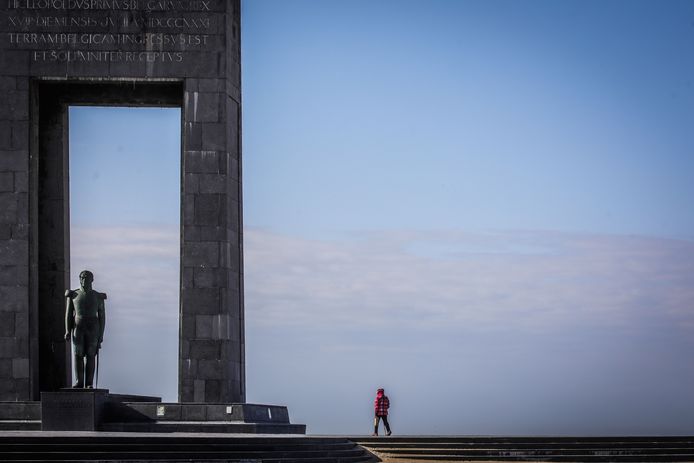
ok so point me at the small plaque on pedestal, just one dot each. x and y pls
(73, 409)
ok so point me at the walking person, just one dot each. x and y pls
(381, 405)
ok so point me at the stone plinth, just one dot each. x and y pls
(73, 409)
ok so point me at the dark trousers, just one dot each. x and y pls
(385, 423)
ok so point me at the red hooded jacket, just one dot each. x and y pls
(381, 404)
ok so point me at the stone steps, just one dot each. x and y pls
(134, 447)
(570, 449)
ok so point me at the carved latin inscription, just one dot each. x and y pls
(128, 31)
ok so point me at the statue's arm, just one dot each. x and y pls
(69, 314)
(102, 317)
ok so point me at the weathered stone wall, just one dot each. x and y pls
(84, 44)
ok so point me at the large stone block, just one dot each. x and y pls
(231, 301)
(14, 299)
(213, 391)
(22, 207)
(20, 368)
(192, 137)
(208, 233)
(230, 352)
(233, 172)
(188, 216)
(222, 327)
(20, 135)
(202, 107)
(187, 323)
(13, 160)
(211, 85)
(199, 254)
(194, 413)
(191, 84)
(189, 368)
(21, 324)
(191, 183)
(203, 328)
(7, 325)
(8, 83)
(14, 62)
(6, 182)
(199, 390)
(20, 231)
(213, 183)
(9, 205)
(14, 105)
(233, 214)
(233, 110)
(186, 389)
(16, 252)
(187, 274)
(203, 162)
(210, 277)
(5, 136)
(229, 255)
(21, 182)
(201, 301)
(214, 136)
(204, 350)
(9, 348)
(211, 369)
(7, 388)
(209, 210)
(233, 92)
(234, 278)
(5, 368)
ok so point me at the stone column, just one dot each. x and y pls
(212, 334)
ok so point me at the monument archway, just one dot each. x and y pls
(127, 53)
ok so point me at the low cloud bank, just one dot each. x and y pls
(505, 332)
(530, 280)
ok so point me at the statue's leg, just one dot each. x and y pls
(78, 361)
(89, 375)
(78, 355)
(90, 347)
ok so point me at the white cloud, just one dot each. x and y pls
(535, 280)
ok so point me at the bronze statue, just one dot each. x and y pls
(85, 319)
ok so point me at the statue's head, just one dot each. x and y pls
(86, 278)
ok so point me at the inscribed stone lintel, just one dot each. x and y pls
(118, 52)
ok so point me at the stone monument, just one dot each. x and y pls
(172, 53)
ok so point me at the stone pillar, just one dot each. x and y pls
(212, 347)
(14, 237)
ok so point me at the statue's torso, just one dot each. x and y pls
(86, 304)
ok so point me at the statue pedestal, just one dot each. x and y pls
(98, 410)
(73, 409)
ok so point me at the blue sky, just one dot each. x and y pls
(484, 207)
